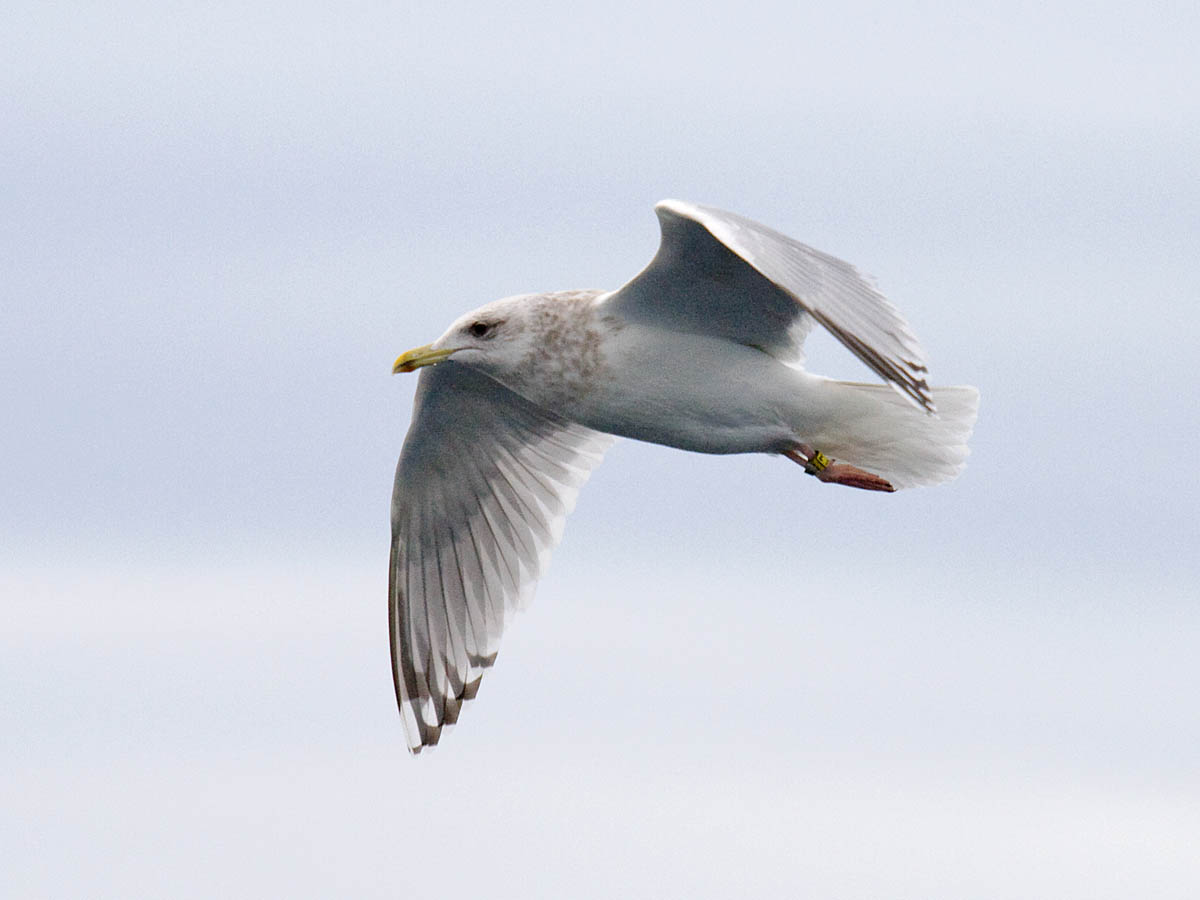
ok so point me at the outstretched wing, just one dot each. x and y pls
(484, 484)
(720, 274)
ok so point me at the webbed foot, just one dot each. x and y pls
(830, 471)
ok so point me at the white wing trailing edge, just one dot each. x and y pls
(483, 487)
(720, 274)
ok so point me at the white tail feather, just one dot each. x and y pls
(878, 430)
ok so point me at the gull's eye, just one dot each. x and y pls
(480, 329)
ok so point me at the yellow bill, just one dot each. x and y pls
(421, 356)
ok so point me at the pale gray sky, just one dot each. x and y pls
(220, 226)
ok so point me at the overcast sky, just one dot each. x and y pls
(220, 226)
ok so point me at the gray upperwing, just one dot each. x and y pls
(720, 274)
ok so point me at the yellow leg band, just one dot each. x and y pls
(818, 462)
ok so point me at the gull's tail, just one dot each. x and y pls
(873, 427)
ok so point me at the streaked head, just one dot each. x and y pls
(495, 336)
(526, 342)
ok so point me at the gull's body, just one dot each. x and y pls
(691, 391)
(701, 351)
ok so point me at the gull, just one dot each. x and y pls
(519, 399)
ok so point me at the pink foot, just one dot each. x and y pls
(831, 472)
(853, 476)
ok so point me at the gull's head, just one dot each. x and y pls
(496, 338)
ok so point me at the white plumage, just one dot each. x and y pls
(702, 351)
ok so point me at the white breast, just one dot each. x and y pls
(693, 392)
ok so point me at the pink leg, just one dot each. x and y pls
(831, 472)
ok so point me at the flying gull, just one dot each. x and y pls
(703, 350)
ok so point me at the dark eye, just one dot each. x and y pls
(480, 329)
